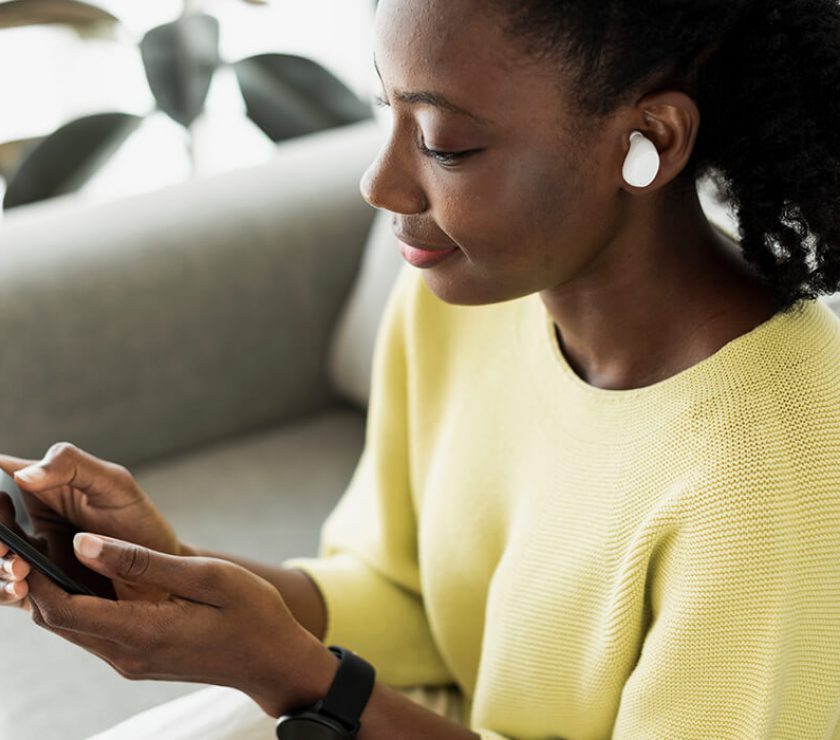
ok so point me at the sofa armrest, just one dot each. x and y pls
(163, 321)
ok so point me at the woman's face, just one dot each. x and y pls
(481, 156)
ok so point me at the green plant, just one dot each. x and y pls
(285, 96)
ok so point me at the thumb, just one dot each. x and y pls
(198, 579)
(64, 464)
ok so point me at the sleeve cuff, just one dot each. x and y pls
(376, 618)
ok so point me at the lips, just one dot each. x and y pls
(425, 257)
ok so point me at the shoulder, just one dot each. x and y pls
(785, 370)
(768, 439)
(800, 359)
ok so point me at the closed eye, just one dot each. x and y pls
(447, 159)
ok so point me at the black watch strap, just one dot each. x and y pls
(350, 690)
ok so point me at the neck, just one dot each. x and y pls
(666, 292)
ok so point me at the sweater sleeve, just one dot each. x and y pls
(744, 597)
(367, 569)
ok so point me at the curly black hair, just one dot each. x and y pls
(765, 75)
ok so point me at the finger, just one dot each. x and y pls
(129, 660)
(47, 611)
(136, 625)
(55, 609)
(13, 568)
(203, 580)
(65, 464)
(10, 464)
(98, 646)
(14, 593)
(66, 615)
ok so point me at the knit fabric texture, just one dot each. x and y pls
(659, 562)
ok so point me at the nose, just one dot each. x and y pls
(390, 184)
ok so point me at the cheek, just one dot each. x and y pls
(526, 200)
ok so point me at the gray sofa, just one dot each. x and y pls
(185, 334)
(201, 336)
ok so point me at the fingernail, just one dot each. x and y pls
(88, 545)
(8, 566)
(32, 474)
(11, 588)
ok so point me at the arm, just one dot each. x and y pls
(388, 712)
(744, 637)
(368, 571)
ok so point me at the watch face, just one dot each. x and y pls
(309, 728)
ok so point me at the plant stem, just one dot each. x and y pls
(192, 7)
(191, 150)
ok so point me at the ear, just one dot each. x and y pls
(671, 120)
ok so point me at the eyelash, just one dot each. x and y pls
(446, 159)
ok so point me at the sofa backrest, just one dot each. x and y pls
(160, 322)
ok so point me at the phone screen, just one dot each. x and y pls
(18, 543)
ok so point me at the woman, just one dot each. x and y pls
(600, 492)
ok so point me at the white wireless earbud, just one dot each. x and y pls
(642, 163)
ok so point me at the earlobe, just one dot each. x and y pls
(641, 166)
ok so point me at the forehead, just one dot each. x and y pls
(460, 49)
(438, 25)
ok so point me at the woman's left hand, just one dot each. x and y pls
(222, 625)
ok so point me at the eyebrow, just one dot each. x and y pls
(426, 97)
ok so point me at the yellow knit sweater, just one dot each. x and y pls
(661, 562)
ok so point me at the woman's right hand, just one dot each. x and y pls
(13, 570)
(72, 491)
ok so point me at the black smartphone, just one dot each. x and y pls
(26, 550)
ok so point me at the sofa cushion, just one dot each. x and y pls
(351, 351)
(263, 496)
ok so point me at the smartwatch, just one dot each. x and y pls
(336, 716)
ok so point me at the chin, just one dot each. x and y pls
(457, 291)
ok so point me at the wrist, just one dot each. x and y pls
(299, 682)
(338, 714)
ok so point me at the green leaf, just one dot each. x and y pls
(67, 158)
(13, 153)
(35, 12)
(180, 59)
(288, 96)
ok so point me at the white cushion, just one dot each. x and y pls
(351, 350)
(833, 302)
